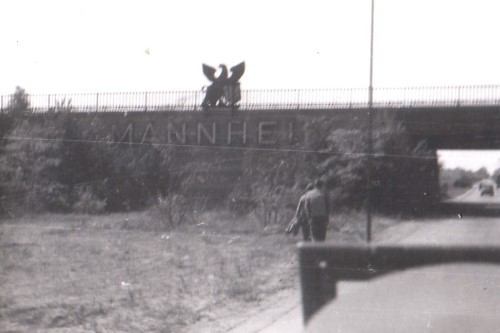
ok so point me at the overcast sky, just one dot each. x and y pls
(58, 46)
(470, 160)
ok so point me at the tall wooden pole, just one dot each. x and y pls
(370, 139)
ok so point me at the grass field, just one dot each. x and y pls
(121, 273)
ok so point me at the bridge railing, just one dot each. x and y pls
(283, 99)
(438, 96)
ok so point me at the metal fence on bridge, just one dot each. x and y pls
(273, 99)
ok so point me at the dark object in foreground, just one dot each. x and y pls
(323, 265)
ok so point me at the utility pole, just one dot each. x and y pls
(370, 137)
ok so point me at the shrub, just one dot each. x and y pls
(53, 162)
(30, 165)
(404, 173)
(86, 202)
(133, 177)
(241, 200)
(273, 204)
(173, 211)
(19, 102)
(6, 124)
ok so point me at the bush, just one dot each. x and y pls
(266, 186)
(241, 201)
(86, 202)
(173, 211)
(6, 124)
(82, 171)
(404, 173)
(133, 177)
(30, 167)
(19, 102)
(273, 204)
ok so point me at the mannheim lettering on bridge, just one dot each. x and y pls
(202, 133)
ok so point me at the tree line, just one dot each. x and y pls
(74, 169)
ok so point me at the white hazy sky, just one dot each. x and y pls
(60, 46)
(470, 160)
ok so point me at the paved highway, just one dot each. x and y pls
(473, 195)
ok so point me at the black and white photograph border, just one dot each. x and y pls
(249, 166)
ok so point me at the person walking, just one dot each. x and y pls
(317, 211)
(301, 216)
(299, 220)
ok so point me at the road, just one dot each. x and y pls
(484, 279)
(473, 195)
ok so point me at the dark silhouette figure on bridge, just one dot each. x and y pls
(224, 90)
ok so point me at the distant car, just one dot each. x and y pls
(487, 189)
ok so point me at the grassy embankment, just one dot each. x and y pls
(121, 273)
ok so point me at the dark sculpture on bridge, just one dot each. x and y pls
(224, 90)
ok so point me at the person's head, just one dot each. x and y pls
(309, 186)
(319, 184)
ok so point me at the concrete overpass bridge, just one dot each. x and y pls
(460, 117)
(274, 120)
